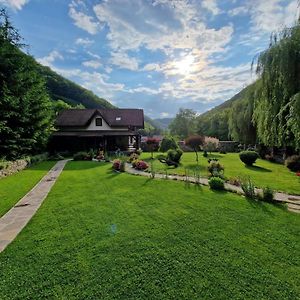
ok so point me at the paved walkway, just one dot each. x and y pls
(292, 201)
(17, 217)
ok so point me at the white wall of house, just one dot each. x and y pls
(104, 126)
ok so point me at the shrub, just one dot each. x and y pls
(141, 165)
(216, 183)
(234, 181)
(168, 143)
(205, 153)
(38, 158)
(174, 155)
(293, 163)
(132, 157)
(81, 156)
(268, 194)
(55, 156)
(248, 187)
(119, 165)
(215, 169)
(248, 157)
(116, 164)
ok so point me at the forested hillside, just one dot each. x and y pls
(68, 91)
(224, 120)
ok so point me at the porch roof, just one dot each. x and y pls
(94, 133)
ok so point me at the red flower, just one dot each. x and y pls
(298, 173)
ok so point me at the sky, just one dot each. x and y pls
(159, 55)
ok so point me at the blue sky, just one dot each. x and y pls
(158, 55)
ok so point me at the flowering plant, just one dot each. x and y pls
(116, 165)
(141, 165)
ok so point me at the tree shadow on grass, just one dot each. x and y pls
(258, 169)
(112, 174)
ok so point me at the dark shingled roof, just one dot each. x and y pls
(82, 117)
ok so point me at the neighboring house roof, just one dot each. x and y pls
(113, 117)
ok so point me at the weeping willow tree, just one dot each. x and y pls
(240, 124)
(277, 106)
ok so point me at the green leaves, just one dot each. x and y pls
(24, 102)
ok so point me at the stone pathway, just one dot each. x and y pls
(17, 217)
(292, 201)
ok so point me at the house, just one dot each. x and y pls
(107, 129)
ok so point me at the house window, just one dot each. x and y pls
(98, 121)
(118, 118)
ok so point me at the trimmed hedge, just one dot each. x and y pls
(248, 157)
(216, 183)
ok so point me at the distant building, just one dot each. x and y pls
(108, 129)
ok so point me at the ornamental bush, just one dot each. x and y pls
(293, 163)
(215, 169)
(116, 165)
(268, 194)
(133, 157)
(248, 157)
(81, 156)
(174, 155)
(168, 143)
(216, 183)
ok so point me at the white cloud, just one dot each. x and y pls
(271, 15)
(180, 26)
(239, 11)
(211, 6)
(14, 4)
(144, 89)
(50, 58)
(81, 19)
(95, 64)
(84, 41)
(152, 67)
(123, 61)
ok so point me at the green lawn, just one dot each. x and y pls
(13, 188)
(263, 173)
(103, 235)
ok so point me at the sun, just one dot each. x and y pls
(184, 66)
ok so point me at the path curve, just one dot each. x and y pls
(12, 223)
(292, 201)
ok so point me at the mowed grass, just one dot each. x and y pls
(103, 235)
(263, 173)
(14, 187)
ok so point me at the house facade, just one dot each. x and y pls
(105, 129)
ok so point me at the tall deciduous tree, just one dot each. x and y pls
(183, 124)
(25, 108)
